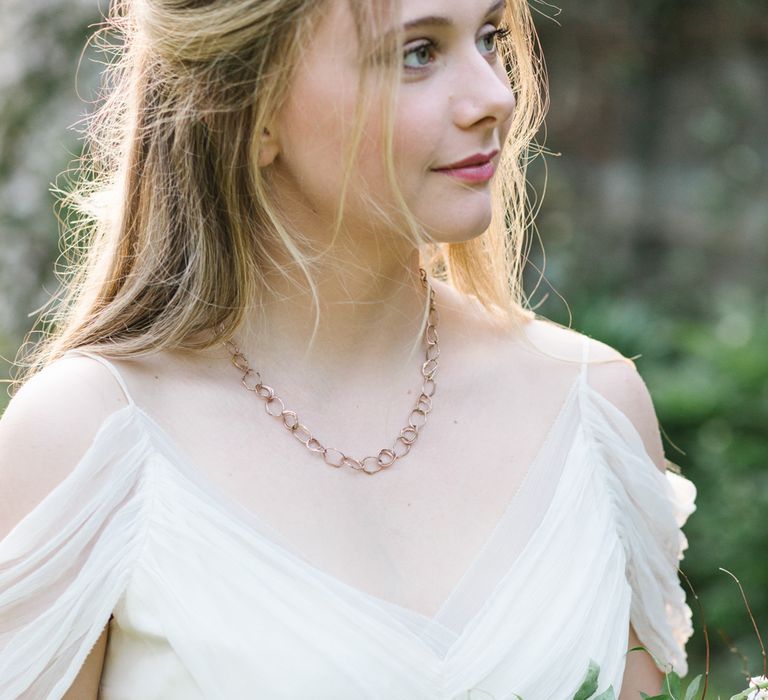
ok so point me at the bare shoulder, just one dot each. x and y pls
(610, 373)
(552, 355)
(47, 428)
(568, 343)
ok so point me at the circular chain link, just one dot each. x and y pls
(273, 405)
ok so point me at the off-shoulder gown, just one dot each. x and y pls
(209, 601)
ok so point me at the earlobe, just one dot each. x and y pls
(268, 148)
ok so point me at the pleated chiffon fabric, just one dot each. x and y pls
(209, 601)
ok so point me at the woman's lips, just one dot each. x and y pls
(471, 173)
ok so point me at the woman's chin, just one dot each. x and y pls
(455, 233)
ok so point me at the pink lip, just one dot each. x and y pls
(476, 159)
(477, 168)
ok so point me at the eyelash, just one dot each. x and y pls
(499, 34)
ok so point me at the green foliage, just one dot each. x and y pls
(672, 688)
(589, 684)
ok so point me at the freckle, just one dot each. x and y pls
(455, 421)
(156, 377)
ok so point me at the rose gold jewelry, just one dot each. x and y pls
(332, 456)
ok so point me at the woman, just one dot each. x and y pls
(311, 204)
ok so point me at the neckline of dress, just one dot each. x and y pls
(181, 462)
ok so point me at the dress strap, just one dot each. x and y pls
(584, 358)
(112, 369)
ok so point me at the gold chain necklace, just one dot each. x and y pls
(332, 456)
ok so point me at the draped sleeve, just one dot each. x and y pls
(650, 508)
(64, 566)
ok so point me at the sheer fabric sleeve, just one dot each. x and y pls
(64, 566)
(650, 509)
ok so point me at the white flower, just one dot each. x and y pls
(759, 693)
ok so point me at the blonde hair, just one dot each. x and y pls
(169, 227)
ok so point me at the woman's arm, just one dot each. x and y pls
(640, 672)
(44, 432)
(86, 685)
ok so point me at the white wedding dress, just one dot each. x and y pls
(211, 602)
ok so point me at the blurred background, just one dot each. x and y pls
(653, 218)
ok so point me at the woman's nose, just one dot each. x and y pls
(482, 91)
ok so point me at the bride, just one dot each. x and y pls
(294, 430)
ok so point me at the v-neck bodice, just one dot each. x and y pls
(210, 601)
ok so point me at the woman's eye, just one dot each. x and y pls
(424, 49)
(420, 51)
(498, 36)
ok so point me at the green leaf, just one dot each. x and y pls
(672, 685)
(589, 684)
(607, 694)
(636, 649)
(693, 688)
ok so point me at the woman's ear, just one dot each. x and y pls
(268, 148)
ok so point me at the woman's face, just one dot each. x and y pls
(454, 101)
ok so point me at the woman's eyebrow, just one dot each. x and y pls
(431, 20)
(435, 20)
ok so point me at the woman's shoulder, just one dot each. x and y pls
(569, 344)
(553, 355)
(73, 390)
(47, 427)
(610, 374)
(550, 340)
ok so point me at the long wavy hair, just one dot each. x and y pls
(169, 229)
